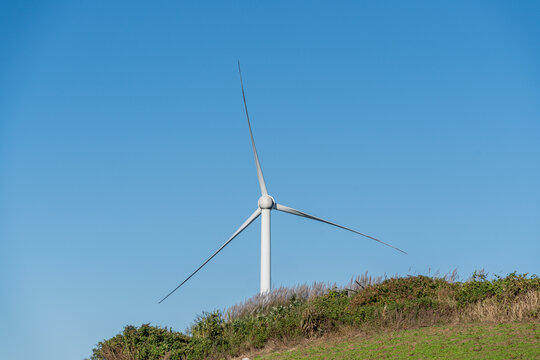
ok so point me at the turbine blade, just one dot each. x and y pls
(303, 214)
(240, 229)
(257, 163)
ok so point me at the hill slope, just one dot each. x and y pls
(289, 316)
(471, 341)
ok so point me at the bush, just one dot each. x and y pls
(146, 342)
(399, 290)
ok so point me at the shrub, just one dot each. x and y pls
(399, 290)
(146, 342)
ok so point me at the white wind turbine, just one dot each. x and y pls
(266, 204)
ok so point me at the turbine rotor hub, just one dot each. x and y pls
(266, 202)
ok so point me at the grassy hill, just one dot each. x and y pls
(441, 309)
(458, 341)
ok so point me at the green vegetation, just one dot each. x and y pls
(478, 341)
(290, 315)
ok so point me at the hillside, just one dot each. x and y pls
(445, 312)
(519, 340)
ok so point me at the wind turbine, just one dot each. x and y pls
(266, 204)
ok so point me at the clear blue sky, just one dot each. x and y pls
(125, 157)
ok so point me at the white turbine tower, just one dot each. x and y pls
(266, 204)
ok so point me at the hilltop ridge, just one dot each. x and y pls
(289, 316)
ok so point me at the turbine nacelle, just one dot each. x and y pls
(266, 202)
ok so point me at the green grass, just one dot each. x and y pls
(473, 341)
